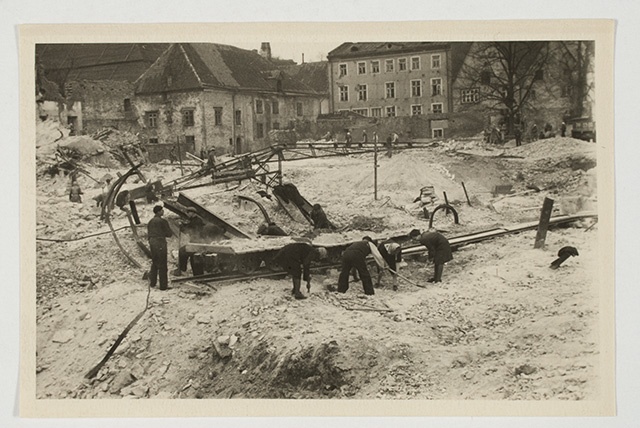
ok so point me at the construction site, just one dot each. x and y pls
(502, 324)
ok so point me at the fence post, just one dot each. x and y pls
(543, 225)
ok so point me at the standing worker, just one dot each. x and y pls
(389, 146)
(296, 260)
(75, 193)
(517, 132)
(158, 231)
(348, 138)
(355, 257)
(438, 249)
(364, 136)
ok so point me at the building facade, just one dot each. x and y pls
(96, 82)
(392, 80)
(219, 96)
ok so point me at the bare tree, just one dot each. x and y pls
(504, 74)
(576, 59)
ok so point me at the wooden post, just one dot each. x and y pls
(375, 167)
(179, 156)
(543, 225)
(446, 201)
(465, 194)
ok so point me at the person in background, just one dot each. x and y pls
(439, 250)
(517, 133)
(364, 136)
(158, 231)
(389, 146)
(75, 192)
(355, 257)
(296, 260)
(534, 132)
(563, 129)
(348, 138)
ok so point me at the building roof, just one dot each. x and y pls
(193, 66)
(369, 49)
(313, 74)
(97, 61)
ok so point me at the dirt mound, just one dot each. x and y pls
(554, 147)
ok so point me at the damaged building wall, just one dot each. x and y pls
(104, 104)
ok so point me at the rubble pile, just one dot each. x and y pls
(501, 325)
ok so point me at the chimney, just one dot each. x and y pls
(265, 50)
(303, 57)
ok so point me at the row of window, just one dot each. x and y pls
(390, 65)
(390, 89)
(391, 111)
(261, 106)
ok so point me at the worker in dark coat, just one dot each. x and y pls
(319, 218)
(158, 231)
(296, 260)
(354, 257)
(75, 192)
(439, 250)
(271, 229)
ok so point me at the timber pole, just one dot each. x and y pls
(375, 167)
(465, 193)
(179, 156)
(543, 225)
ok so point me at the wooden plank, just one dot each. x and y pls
(543, 225)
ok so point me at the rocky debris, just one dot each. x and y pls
(123, 378)
(63, 336)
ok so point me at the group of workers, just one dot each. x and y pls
(295, 258)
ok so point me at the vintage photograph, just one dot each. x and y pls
(372, 219)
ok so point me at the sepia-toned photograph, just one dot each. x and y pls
(391, 219)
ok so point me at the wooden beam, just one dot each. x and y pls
(543, 224)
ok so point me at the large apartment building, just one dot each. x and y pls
(387, 79)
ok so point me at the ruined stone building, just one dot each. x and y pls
(211, 95)
(94, 81)
(314, 75)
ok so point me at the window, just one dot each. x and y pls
(362, 92)
(187, 118)
(343, 69)
(344, 93)
(152, 119)
(238, 117)
(416, 88)
(276, 125)
(299, 109)
(437, 133)
(375, 66)
(485, 77)
(391, 111)
(376, 111)
(362, 111)
(469, 96)
(190, 140)
(436, 86)
(415, 63)
(127, 104)
(402, 64)
(259, 130)
(416, 110)
(217, 115)
(153, 141)
(436, 108)
(275, 108)
(388, 65)
(259, 107)
(390, 89)
(362, 68)
(435, 61)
